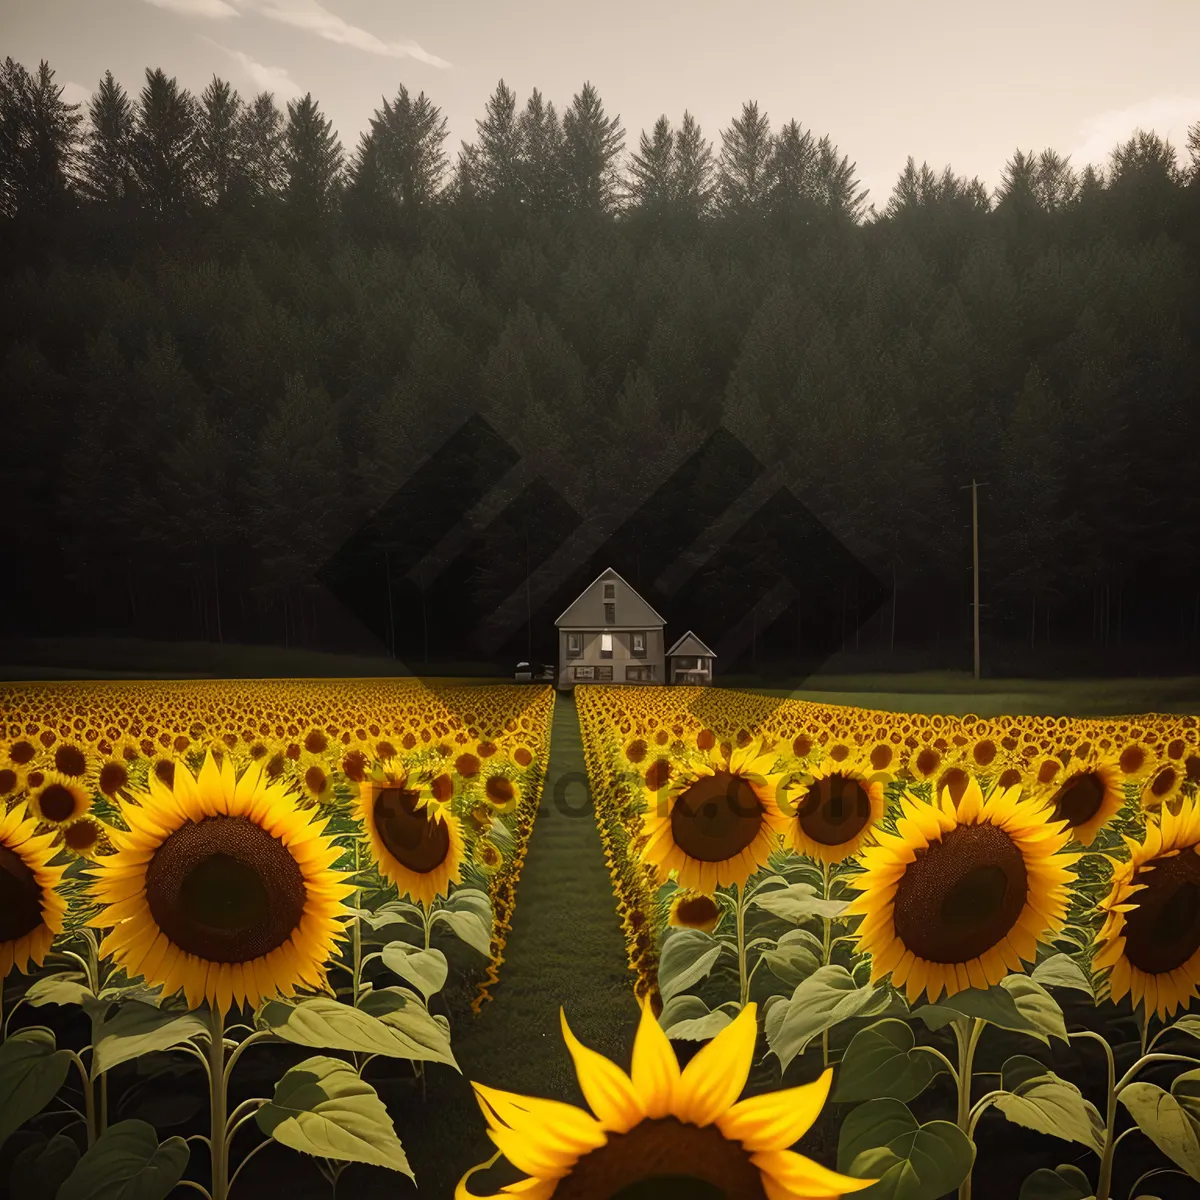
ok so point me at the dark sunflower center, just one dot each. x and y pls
(416, 842)
(834, 810)
(20, 897)
(716, 818)
(1163, 931)
(961, 895)
(225, 890)
(57, 802)
(1078, 801)
(664, 1160)
(697, 910)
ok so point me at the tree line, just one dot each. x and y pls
(226, 341)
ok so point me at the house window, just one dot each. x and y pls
(610, 614)
(606, 645)
(638, 645)
(604, 674)
(610, 591)
(640, 674)
(574, 644)
(585, 672)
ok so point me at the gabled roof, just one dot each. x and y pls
(692, 645)
(586, 611)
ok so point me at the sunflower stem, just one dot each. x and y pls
(217, 1100)
(1104, 1183)
(967, 1034)
(356, 932)
(743, 977)
(826, 950)
(89, 1098)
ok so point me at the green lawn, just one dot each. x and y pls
(953, 693)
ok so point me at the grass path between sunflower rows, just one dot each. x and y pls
(565, 948)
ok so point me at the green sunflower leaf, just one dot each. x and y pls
(1065, 1182)
(425, 969)
(320, 1022)
(468, 927)
(466, 899)
(689, 1019)
(31, 1072)
(40, 1170)
(1061, 970)
(1037, 1098)
(1036, 1005)
(1017, 1004)
(687, 957)
(884, 1141)
(127, 1162)
(884, 1061)
(1166, 1122)
(321, 1107)
(799, 902)
(829, 995)
(65, 987)
(136, 1029)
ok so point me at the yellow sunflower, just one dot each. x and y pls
(713, 825)
(1163, 786)
(836, 807)
(59, 799)
(85, 836)
(1085, 799)
(31, 910)
(961, 894)
(694, 910)
(660, 1126)
(416, 842)
(1151, 934)
(221, 888)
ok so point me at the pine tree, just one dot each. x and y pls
(501, 151)
(218, 144)
(105, 164)
(542, 155)
(792, 187)
(694, 170)
(294, 491)
(165, 146)
(408, 137)
(312, 161)
(743, 168)
(653, 171)
(38, 141)
(591, 146)
(262, 147)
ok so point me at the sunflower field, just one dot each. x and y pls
(197, 868)
(944, 918)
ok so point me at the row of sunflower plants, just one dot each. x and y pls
(222, 906)
(892, 917)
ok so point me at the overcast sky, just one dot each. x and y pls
(955, 83)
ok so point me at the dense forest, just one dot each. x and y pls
(226, 341)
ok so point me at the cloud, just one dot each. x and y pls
(76, 93)
(215, 9)
(312, 17)
(267, 79)
(1168, 116)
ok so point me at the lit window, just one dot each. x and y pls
(606, 645)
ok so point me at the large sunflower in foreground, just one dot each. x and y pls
(31, 910)
(222, 887)
(960, 895)
(837, 804)
(1151, 936)
(416, 842)
(713, 822)
(660, 1131)
(1086, 798)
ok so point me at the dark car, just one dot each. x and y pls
(533, 672)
